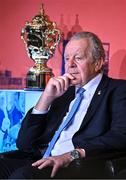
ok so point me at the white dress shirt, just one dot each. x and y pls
(64, 143)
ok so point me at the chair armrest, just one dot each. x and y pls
(92, 167)
(115, 166)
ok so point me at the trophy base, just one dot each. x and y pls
(37, 82)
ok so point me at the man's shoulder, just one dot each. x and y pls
(114, 81)
(117, 82)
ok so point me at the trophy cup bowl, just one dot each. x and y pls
(41, 37)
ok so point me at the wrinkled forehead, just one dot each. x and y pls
(76, 46)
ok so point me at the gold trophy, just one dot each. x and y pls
(41, 37)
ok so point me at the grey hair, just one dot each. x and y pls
(96, 46)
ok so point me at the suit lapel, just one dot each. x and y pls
(97, 98)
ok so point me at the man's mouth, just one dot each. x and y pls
(73, 72)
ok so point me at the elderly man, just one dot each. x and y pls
(94, 123)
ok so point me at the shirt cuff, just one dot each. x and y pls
(35, 111)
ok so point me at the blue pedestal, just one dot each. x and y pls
(14, 105)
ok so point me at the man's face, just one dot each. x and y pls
(79, 62)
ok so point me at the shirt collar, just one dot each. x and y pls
(93, 83)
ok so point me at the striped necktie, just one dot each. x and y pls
(65, 123)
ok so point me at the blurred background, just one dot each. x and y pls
(106, 18)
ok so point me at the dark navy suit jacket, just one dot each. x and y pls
(103, 127)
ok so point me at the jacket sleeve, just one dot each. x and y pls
(37, 130)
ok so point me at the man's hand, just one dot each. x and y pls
(55, 88)
(55, 161)
(58, 85)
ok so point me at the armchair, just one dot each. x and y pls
(116, 167)
(97, 166)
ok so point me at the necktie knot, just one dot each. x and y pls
(80, 91)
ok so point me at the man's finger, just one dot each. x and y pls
(62, 83)
(47, 163)
(37, 163)
(54, 170)
(57, 85)
(68, 75)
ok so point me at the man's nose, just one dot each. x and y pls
(71, 62)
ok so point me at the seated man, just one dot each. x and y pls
(93, 123)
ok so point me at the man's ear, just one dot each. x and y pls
(99, 64)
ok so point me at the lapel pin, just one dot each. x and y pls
(99, 92)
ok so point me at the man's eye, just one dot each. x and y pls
(66, 59)
(78, 58)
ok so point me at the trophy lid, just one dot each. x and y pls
(41, 36)
(41, 20)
